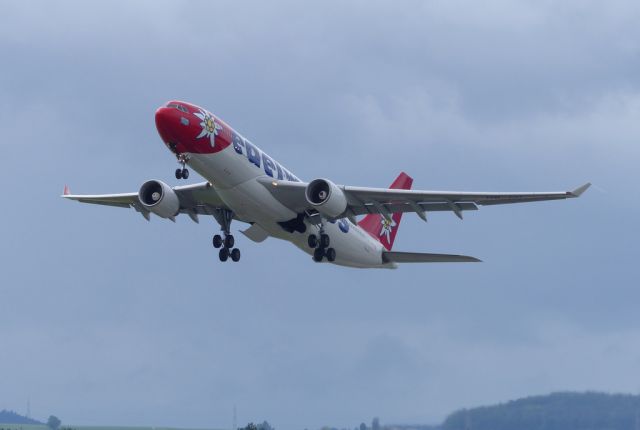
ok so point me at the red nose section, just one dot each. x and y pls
(188, 128)
(166, 123)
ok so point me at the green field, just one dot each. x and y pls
(81, 427)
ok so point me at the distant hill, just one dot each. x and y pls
(558, 411)
(10, 417)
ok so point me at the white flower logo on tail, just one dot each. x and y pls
(387, 228)
(209, 126)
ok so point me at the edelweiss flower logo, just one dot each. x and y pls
(387, 227)
(209, 127)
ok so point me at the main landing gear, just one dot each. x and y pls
(226, 243)
(321, 245)
(182, 172)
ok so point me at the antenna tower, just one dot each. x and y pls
(235, 419)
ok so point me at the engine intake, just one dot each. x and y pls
(327, 197)
(159, 198)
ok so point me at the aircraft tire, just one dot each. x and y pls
(229, 241)
(217, 241)
(312, 241)
(318, 255)
(224, 254)
(178, 173)
(331, 254)
(235, 254)
(185, 173)
(324, 241)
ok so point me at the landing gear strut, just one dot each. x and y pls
(321, 245)
(226, 243)
(182, 172)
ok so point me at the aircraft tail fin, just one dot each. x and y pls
(384, 228)
(421, 257)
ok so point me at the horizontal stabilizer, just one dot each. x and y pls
(420, 257)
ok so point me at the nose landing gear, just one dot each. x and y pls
(227, 242)
(182, 172)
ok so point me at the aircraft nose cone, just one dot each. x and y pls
(166, 123)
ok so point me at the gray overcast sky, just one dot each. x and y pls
(108, 319)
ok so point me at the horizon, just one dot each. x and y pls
(382, 424)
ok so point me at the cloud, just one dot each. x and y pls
(137, 323)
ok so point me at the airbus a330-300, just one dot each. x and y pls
(245, 184)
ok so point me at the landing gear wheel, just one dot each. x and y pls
(324, 241)
(318, 254)
(229, 241)
(182, 172)
(217, 241)
(225, 241)
(312, 241)
(331, 254)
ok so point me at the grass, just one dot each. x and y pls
(75, 427)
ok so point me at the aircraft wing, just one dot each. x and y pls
(361, 200)
(196, 199)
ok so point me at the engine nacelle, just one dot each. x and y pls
(159, 198)
(328, 199)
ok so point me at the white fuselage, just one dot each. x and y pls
(235, 178)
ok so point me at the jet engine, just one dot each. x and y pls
(327, 198)
(159, 198)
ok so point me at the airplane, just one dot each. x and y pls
(245, 184)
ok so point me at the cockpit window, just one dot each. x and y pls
(178, 106)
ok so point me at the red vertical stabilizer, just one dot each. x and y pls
(377, 226)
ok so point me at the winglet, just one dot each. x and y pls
(66, 191)
(578, 191)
